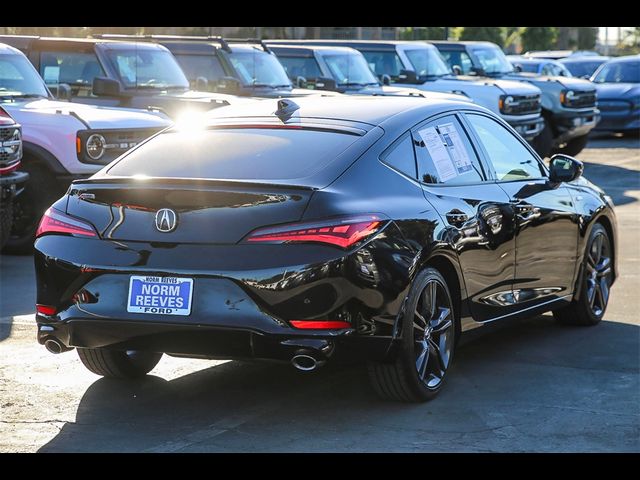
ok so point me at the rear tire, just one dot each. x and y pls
(426, 348)
(118, 363)
(6, 220)
(574, 146)
(591, 304)
(543, 143)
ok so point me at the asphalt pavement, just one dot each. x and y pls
(530, 385)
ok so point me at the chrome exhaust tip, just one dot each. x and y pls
(305, 363)
(55, 346)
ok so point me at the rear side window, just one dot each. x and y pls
(242, 154)
(382, 62)
(401, 156)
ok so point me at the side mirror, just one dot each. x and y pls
(457, 70)
(479, 71)
(386, 79)
(586, 77)
(517, 67)
(106, 87)
(408, 76)
(230, 85)
(301, 82)
(62, 91)
(325, 83)
(202, 84)
(563, 168)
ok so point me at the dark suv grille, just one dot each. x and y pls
(524, 104)
(584, 99)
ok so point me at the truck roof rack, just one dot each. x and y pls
(159, 38)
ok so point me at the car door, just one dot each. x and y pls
(475, 212)
(545, 216)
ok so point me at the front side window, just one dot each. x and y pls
(445, 154)
(19, 78)
(76, 69)
(427, 62)
(459, 58)
(349, 69)
(295, 67)
(258, 68)
(384, 62)
(492, 60)
(618, 72)
(207, 66)
(144, 68)
(510, 159)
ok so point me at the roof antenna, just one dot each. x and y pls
(286, 108)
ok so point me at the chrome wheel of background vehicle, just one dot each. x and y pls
(419, 368)
(589, 307)
(432, 331)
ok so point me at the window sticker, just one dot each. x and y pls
(438, 152)
(456, 148)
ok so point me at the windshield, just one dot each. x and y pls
(19, 78)
(350, 69)
(492, 60)
(145, 68)
(527, 67)
(583, 69)
(618, 72)
(258, 68)
(427, 62)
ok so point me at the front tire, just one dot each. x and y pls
(593, 298)
(118, 363)
(426, 347)
(543, 143)
(6, 220)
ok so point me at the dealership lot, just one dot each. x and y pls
(525, 386)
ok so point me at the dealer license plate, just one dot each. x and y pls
(160, 295)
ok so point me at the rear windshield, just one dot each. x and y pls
(235, 154)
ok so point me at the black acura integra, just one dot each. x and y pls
(328, 228)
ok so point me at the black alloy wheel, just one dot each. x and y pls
(590, 306)
(420, 367)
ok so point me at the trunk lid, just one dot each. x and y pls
(210, 212)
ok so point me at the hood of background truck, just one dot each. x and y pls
(614, 91)
(569, 83)
(97, 117)
(508, 87)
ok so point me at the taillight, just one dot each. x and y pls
(320, 324)
(54, 221)
(46, 309)
(342, 232)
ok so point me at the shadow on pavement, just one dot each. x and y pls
(614, 180)
(510, 386)
(17, 290)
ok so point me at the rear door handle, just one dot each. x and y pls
(456, 217)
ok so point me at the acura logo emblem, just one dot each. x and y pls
(166, 220)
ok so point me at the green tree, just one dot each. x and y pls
(421, 33)
(587, 37)
(539, 38)
(487, 34)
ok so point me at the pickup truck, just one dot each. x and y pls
(419, 66)
(115, 74)
(569, 105)
(61, 141)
